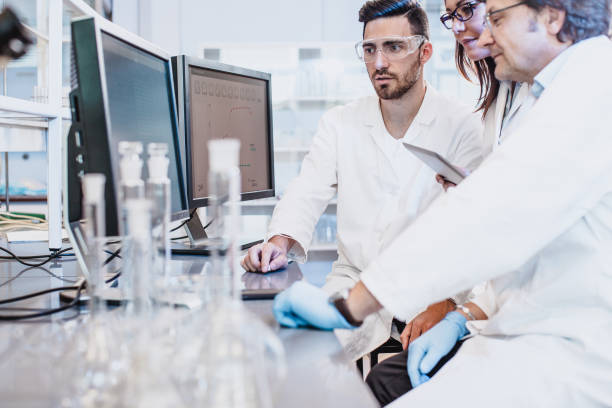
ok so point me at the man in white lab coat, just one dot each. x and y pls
(536, 217)
(358, 154)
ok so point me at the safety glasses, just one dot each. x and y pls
(393, 48)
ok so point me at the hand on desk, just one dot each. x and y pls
(426, 351)
(268, 256)
(425, 321)
(304, 305)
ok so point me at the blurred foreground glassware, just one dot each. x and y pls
(230, 359)
(131, 185)
(99, 373)
(157, 190)
(223, 281)
(137, 259)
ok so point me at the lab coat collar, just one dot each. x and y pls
(500, 105)
(547, 75)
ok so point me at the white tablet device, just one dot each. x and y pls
(438, 163)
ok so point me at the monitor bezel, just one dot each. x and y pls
(183, 77)
(86, 118)
(104, 26)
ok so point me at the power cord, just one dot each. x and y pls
(36, 267)
(113, 278)
(112, 256)
(3, 257)
(79, 288)
(22, 261)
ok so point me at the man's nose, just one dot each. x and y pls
(381, 60)
(486, 38)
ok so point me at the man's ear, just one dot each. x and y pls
(553, 20)
(426, 52)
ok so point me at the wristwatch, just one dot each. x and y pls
(467, 311)
(339, 299)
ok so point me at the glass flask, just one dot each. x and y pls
(236, 360)
(131, 185)
(157, 190)
(98, 375)
(137, 258)
(223, 281)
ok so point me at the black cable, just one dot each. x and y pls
(36, 294)
(15, 277)
(182, 224)
(79, 288)
(208, 225)
(55, 276)
(34, 256)
(112, 256)
(49, 258)
(35, 267)
(114, 277)
(46, 291)
(177, 238)
(21, 309)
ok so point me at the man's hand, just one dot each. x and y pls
(425, 321)
(304, 305)
(444, 182)
(269, 256)
(426, 351)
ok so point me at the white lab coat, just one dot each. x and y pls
(381, 187)
(537, 217)
(483, 295)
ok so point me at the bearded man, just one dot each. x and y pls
(357, 154)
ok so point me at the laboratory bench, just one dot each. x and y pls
(318, 372)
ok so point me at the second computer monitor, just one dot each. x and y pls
(218, 101)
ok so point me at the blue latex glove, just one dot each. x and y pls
(426, 351)
(304, 305)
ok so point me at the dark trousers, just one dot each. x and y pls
(389, 380)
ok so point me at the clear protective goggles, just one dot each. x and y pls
(393, 48)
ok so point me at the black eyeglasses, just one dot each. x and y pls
(464, 12)
(490, 14)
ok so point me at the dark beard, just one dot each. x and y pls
(412, 76)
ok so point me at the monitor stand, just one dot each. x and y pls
(196, 233)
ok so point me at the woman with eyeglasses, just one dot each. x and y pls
(500, 103)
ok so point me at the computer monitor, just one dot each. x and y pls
(218, 101)
(123, 90)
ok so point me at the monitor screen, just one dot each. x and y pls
(228, 105)
(140, 103)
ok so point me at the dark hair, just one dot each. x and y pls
(484, 70)
(584, 18)
(413, 11)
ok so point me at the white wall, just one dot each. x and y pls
(182, 26)
(125, 13)
(186, 26)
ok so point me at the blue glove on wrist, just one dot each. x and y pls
(305, 305)
(426, 351)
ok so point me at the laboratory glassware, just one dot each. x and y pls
(157, 190)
